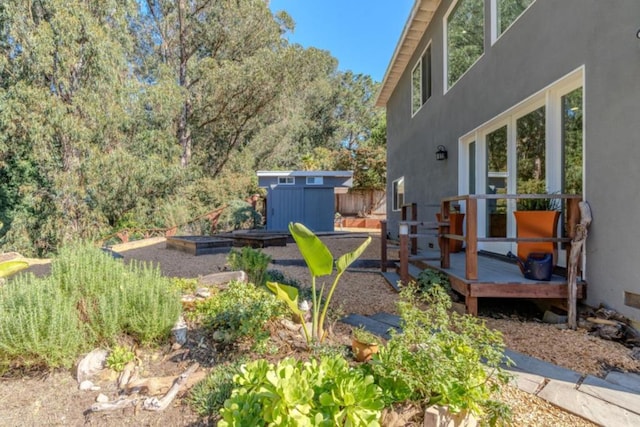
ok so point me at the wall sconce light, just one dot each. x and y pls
(441, 154)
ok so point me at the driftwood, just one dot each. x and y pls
(577, 243)
(155, 404)
(114, 405)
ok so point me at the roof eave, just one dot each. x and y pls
(417, 23)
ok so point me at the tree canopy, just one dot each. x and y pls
(122, 113)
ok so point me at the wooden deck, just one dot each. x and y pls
(498, 279)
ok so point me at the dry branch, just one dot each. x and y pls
(577, 243)
(155, 404)
(121, 403)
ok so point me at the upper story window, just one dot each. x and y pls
(421, 81)
(286, 180)
(398, 194)
(507, 11)
(464, 35)
(314, 180)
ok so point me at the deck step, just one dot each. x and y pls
(375, 327)
(392, 278)
(389, 319)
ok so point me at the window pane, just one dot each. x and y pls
(497, 175)
(416, 88)
(530, 152)
(465, 37)
(508, 11)
(426, 75)
(572, 142)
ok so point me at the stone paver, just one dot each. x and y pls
(564, 395)
(612, 393)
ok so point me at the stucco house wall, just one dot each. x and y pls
(549, 40)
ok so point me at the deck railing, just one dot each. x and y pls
(470, 237)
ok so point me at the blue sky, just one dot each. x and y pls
(361, 34)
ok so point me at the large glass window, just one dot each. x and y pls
(421, 81)
(497, 180)
(530, 153)
(465, 37)
(572, 142)
(508, 11)
(398, 194)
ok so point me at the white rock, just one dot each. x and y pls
(179, 332)
(91, 364)
(86, 385)
(203, 293)
(102, 398)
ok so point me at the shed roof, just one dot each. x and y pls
(345, 174)
(417, 23)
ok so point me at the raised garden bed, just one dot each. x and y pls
(199, 245)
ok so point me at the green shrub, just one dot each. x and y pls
(118, 358)
(240, 311)
(39, 326)
(254, 262)
(325, 392)
(450, 362)
(430, 277)
(208, 396)
(89, 299)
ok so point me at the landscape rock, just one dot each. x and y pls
(553, 318)
(101, 398)
(91, 364)
(87, 385)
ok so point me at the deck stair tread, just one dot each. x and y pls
(392, 278)
(374, 326)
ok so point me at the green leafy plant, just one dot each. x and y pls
(208, 396)
(441, 357)
(536, 186)
(119, 357)
(364, 336)
(254, 262)
(320, 262)
(293, 393)
(241, 311)
(430, 277)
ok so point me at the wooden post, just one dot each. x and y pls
(404, 253)
(471, 253)
(383, 245)
(414, 229)
(577, 243)
(443, 242)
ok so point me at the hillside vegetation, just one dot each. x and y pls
(146, 114)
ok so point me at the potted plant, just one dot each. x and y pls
(456, 220)
(537, 218)
(364, 344)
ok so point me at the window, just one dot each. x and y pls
(398, 194)
(286, 180)
(464, 38)
(536, 146)
(314, 180)
(421, 81)
(506, 12)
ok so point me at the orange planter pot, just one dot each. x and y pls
(456, 220)
(537, 224)
(363, 351)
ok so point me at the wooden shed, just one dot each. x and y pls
(302, 196)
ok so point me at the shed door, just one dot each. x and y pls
(319, 207)
(285, 205)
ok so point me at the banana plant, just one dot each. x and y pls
(320, 262)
